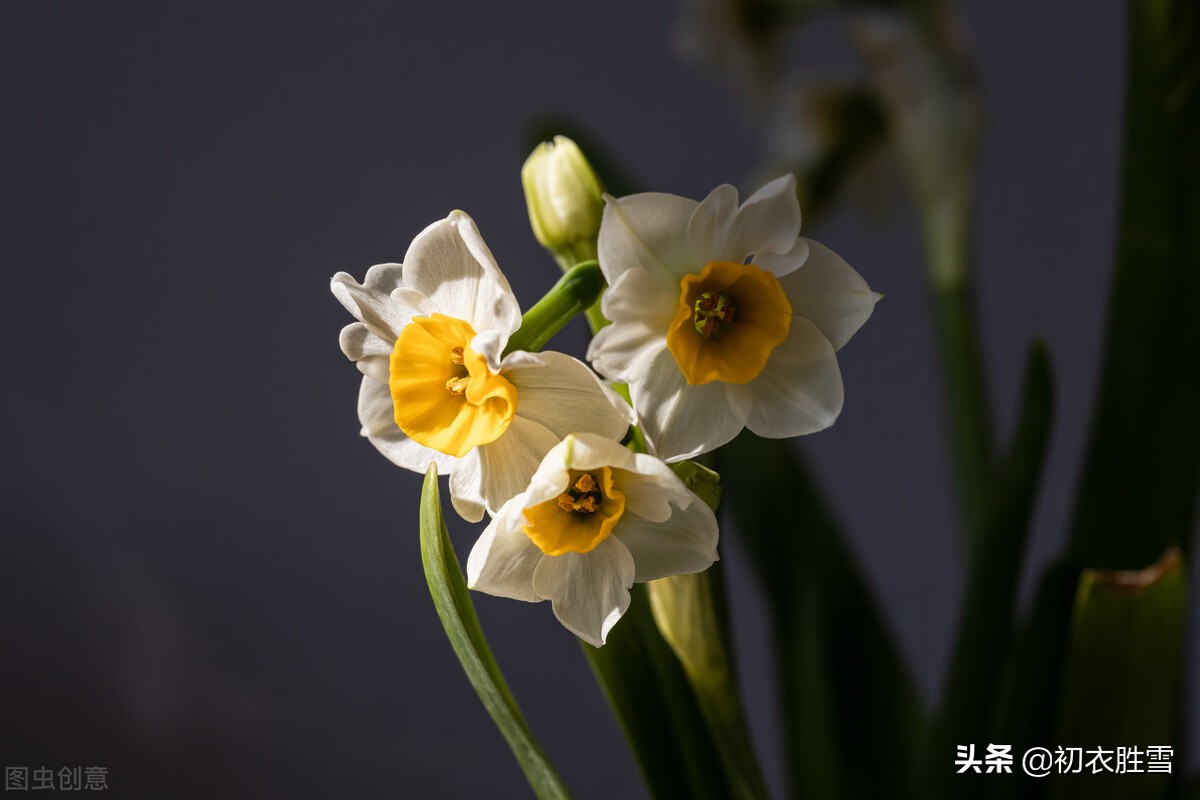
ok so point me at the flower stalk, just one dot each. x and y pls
(576, 291)
(929, 87)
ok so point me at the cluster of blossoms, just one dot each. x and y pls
(723, 318)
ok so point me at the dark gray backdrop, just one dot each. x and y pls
(211, 585)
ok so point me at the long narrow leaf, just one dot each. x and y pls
(454, 608)
(1138, 490)
(846, 689)
(690, 613)
(1138, 487)
(1029, 708)
(1123, 685)
(985, 629)
(656, 708)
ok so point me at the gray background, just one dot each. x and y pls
(211, 585)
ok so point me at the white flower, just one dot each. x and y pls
(595, 519)
(428, 341)
(723, 316)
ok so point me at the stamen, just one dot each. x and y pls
(458, 384)
(713, 314)
(583, 497)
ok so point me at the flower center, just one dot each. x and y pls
(578, 519)
(444, 394)
(712, 314)
(729, 320)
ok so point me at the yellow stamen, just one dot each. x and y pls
(578, 519)
(729, 319)
(444, 394)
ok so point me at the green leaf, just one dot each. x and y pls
(1124, 673)
(846, 691)
(985, 628)
(1138, 490)
(1029, 707)
(656, 707)
(691, 615)
(454, 608)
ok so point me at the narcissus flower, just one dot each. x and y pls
(429, 339)
(595, 519)
(723, 316)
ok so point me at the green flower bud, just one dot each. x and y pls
(564, 199)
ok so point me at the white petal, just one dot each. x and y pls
(646, 230)
(561, 394)
(577, 451)
(621, 351)
(370, 353)
(769, 220)
(490, 345)
(681, 421)
(551, 477)
(357, 341)
(509, 462)
(377, 368)
(638, 296)
(377, 416)
(373, 307)
(827, 291)
(384, 278)
(450, 264)
(421, 305)
(798, 392)
(711, 227)
(684, 543)
(589, 591)
(503, 561)
(652, 489)
(466, 487)
(784, 263)
(588, 451)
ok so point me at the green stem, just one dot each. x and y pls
(595, 316)
(693, 616)
(968, 409)
(575, 292)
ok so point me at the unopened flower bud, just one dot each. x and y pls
(564, 199)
